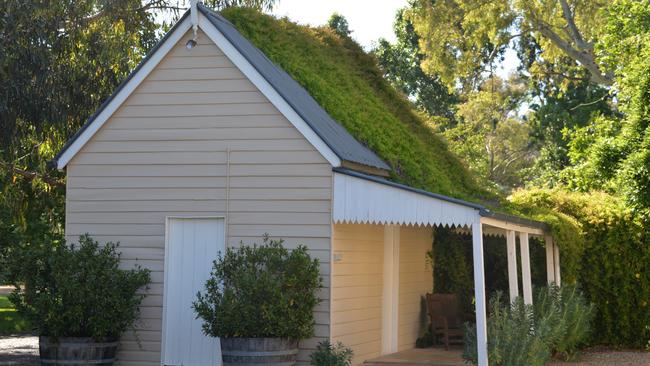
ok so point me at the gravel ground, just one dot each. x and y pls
(22, 350)
(18, 350)
(597, 357)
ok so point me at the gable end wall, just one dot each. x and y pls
(165, 153)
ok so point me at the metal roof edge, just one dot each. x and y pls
(482, 210)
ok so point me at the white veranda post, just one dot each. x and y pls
(479, 293)
(550, 259)
(556, 261)
(525, 268)
(512, 264)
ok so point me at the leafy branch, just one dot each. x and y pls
(31, 175)
(582, 52)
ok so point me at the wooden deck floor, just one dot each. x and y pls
(421, 357)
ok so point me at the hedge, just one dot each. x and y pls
(605, 249)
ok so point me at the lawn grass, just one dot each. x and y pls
(10, 321)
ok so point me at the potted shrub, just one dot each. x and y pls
(79, 301)
(259, 301)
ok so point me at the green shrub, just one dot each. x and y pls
(327, 354)
(261, 291)
(567, 317)
(426, 340)
(512, 340)
(79, 291)
(519, 334)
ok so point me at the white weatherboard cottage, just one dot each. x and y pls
(208, 144)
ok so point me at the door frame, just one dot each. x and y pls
(166, 264)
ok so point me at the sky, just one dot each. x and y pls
(369, 20)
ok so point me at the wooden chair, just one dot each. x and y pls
(444, 314)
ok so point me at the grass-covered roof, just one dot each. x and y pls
(348, 84)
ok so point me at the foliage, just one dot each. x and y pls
(261, 5)
(568, 317)
(348, 84)
(327, 354)
(453, 269)
(10, 321)
(261, 291)
(79, 291)
(512, 336)
(555, 117)
(339, 25)
(463, 38)
(58, 61)
(605, 249)
(519, 334)
(452, 266)
(614, 154)
(426, 340)
(493, 141)
(400, 63)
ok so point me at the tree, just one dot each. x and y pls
(261, 5)
(339, 24)
(463, 38)
(58, 62)
(556, 110)
(490, 136)
(401, 64)
(611, 153)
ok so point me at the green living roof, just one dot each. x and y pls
(349, 85)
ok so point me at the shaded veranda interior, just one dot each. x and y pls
(381, 234)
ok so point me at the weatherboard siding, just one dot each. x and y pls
(357, 285)
(165, 153)
(415, 280)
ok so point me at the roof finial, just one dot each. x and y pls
(194, 16)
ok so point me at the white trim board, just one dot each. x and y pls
(124, 93)
(240, 62)
(505, 225)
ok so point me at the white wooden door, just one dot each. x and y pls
(192, 244)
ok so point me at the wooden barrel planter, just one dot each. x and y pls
(75, 351)
(259, 351)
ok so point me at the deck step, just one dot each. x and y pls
(420, 357)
